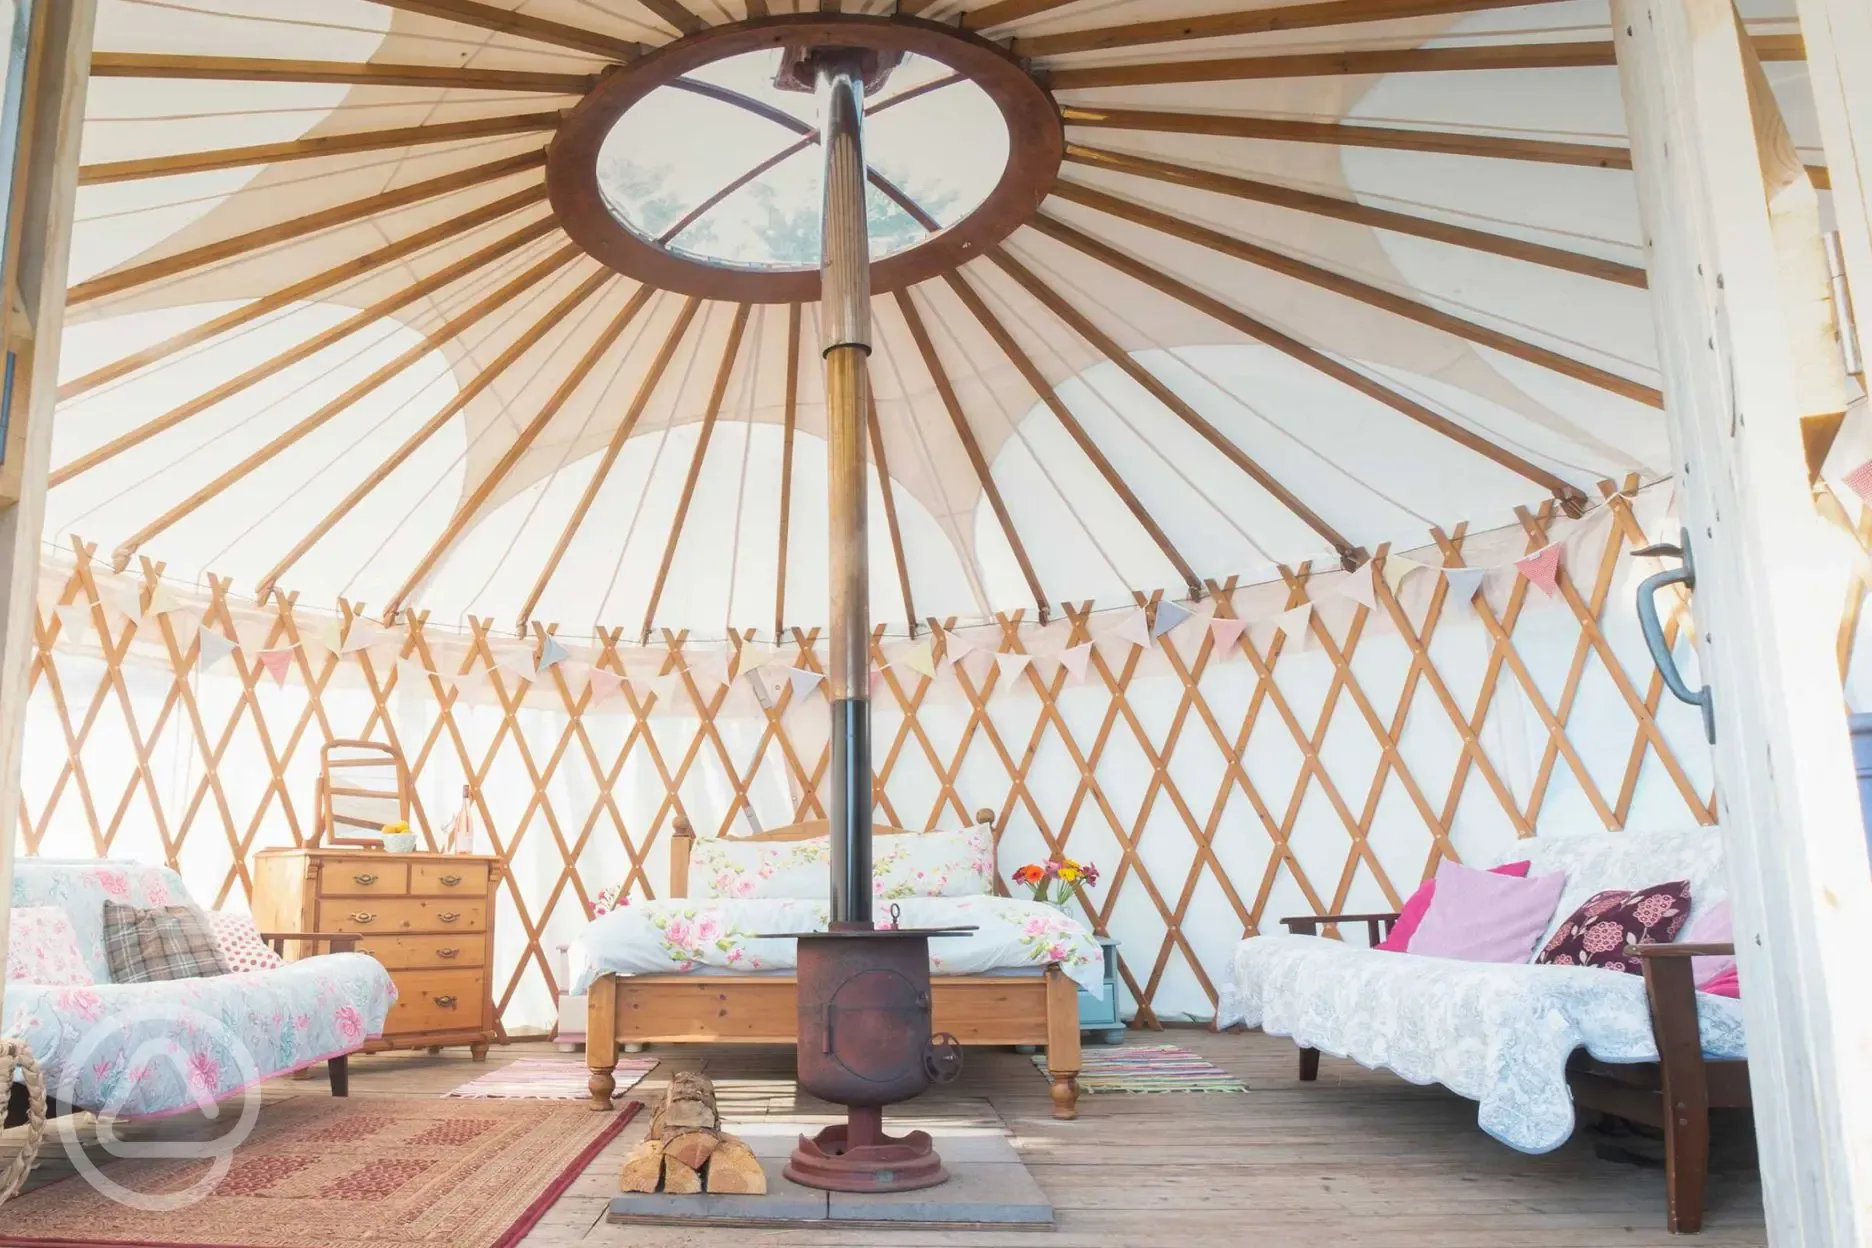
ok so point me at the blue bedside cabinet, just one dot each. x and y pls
(1098, 1011)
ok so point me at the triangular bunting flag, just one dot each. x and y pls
(1463, 584)
(121, 599)
(1076, 659)
(1543, 569)
(1169, 615)
(803, 681)
(361, 634)
(1395, 569)
(709, 671)
(276, 663)
(919, 658)
(214, 648)
(1227, 632)
(1012, 665)
(551, 652)
(956, 645)
(1293, 624)
(74, 620)
(163, 600)
(603, 685)
(1134, 628)
(470, 683)
(412, 673)
(517, 659)
(330, 636)
(1859, 481)
(1360, 587)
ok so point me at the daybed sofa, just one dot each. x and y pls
(1527, 1041)
(147, 1049)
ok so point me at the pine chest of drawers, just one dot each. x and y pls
(429, 918)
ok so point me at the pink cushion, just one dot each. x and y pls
(241, 946)
(42, 948)
(1411, 916)
(1480, 916)
(1724, 984)
(1714, 926)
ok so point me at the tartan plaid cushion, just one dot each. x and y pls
(172, 942)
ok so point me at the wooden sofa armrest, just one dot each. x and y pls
(340, 942)
(1377, 926)
(1722, 949)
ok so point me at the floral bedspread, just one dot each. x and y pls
(665, 937)
(1497, 1034)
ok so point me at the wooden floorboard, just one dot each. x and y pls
(1360, 1159)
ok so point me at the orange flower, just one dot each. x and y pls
(1029, 874)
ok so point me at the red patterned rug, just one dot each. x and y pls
(323, 1172)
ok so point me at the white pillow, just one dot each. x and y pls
(908, 864)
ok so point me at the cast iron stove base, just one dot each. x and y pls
(856, 1156)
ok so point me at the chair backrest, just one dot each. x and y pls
(1597, 861)
(362, 786)
(80, 887)
(683, 837)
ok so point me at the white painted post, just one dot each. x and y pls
(1766, 610)
(1838, 35)
(48, 179)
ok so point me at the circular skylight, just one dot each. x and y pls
(722, 167)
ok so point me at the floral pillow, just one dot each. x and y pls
(241, 946)
(1596, 934)
(42, 948)
(910, 864)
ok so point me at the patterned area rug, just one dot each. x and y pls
(324, 1172)
(543, 1079)
(1148, 1068)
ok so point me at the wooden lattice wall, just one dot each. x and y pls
(1217, 790)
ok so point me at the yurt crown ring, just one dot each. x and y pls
(1035, 148)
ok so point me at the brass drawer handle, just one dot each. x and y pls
(448, 953)
(365, 880)
(363, 916)
(447, 916)
(446, 1002)
(449, 881)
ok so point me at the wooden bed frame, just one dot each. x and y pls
(761, 1009)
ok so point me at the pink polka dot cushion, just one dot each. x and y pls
(1597, 933)
(241, 946)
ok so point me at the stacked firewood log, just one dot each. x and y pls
(687, 1152)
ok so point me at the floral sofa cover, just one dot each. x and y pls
(139, 1050)
(1500, 1035)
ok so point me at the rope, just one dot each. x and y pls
(14, 1054)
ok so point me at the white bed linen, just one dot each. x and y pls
(681, 936)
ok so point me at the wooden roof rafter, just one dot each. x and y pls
(486, 377)
(119, 280)
(737, 329)
(315, 147)
(466, 512)
(645, 389)
(1311, 356)
(984, 474)
(285, 296)
(365, 317)
(1352, 288)
(1036, 380)
(1356, 211)
(677, 15)
(1107, 346)
(538, 29)
(355, 73)
(887, 488)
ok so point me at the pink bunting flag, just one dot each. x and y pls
(1135, 628)
(276, 663)
(1227, 632)
(1859, 481)
(603, 685)
(1543, 569)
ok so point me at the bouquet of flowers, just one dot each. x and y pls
(1055, 880)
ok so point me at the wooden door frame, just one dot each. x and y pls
(1733, 336)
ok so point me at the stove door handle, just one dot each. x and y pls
(830, 1009)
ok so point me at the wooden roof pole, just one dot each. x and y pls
(646, 387)
(736, 329)
(465, 513)
(1311, 356)
(289, 295)
(674, 13)
(319, 145)
(481, 381)
(983, 474)
(359, 73)
(313, 345)
(1356, 212)
(1352, 63)
(886, 488)
(1107, 346)
(1044, 389)
(499, 297)
(508, 22)
(120, 280)
(1352, 288)
(786, 466)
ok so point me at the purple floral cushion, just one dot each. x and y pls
(1597, 933)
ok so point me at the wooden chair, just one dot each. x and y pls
(362, 786)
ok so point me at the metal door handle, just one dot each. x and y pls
(363, 916)
(446, 1002)
(448, 916)
(1654, 627)
(449, 881)
(447, 953)
(366, 879)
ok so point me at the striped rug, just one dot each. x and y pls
(549, 1079)
(1148, 1068)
